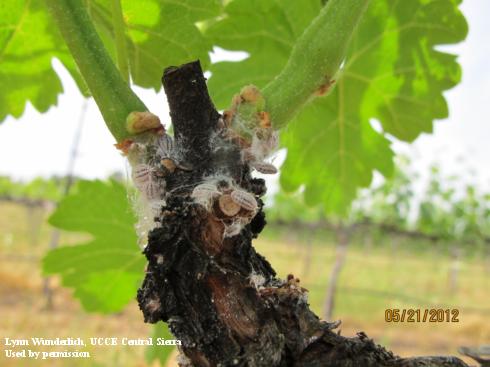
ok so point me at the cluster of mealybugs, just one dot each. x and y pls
(146, 180)
(237, 205)
(258, 126)
(264, 141)
(149, 176)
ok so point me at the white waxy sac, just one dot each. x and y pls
(145, 181)
(159, 258)
(262, 147)
(244, 199)
(234, 228)
(142, 173)
(152, 190)
(156, 207)
(153, 305)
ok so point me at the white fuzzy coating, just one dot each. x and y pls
(245, 199)
(156, 207)
(148, 204)
(152, 190)
(144, 180)
(142, 173)
(257, 280)
(233, 229)
(183, 361)
(153, 305)
(159, 258)
(272, 142)
(262, 148)
(264, 167)
(165, 146)
(205, 189)
(204, 194)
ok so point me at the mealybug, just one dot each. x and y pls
(244, 199)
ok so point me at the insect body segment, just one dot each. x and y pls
(168, 156)
(264, 167)
(244, 199)
(204, 194)
(165, 146)
(263, 143)
(145, 180)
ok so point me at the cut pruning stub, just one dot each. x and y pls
(228, 206)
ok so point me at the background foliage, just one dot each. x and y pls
(107, 271)
(393, 73)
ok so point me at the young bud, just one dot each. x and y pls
(138, 122)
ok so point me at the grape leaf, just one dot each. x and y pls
(107, 271)
(159, 353)
(27, 46)
(392, 73)
(160, 33)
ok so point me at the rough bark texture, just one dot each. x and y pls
(219, 296)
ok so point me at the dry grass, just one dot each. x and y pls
(402, 280)
(375, 279)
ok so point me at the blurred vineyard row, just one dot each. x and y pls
(407, 242)
(449, 209)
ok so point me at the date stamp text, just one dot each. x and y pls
(421, 315)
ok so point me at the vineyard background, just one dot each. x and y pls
(391, 262)
(419, 240)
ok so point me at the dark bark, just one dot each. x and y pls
(219, 296)
(481, 355)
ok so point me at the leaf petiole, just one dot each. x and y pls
(314, 60)
(120, 38)
(111, 92)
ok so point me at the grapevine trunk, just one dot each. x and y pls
(219, 296)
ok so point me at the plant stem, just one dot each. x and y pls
(220, 297)
(314, 60)
(120, 38)
(111, 93)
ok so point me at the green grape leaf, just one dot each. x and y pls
(160, 353)
(106, 271)
(160, 33)
(393, 73)
(28, 44)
